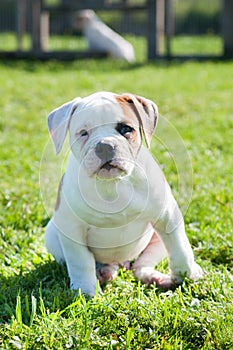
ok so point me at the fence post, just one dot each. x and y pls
(40, 27)
(156, 15)
(44, 30)
(227, 27)
(169, 25)
(21, 22)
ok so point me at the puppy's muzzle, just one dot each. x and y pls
(105, 152)
(110, 164)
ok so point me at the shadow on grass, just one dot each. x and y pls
(48, 281)
(92, 65)
(103, 64)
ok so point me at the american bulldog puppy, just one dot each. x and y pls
(114, 204)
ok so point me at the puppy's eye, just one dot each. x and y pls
(83, 133)
(124, 129)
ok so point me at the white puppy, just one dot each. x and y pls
(101, 38)
(114, 204)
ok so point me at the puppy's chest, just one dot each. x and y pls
(109, 205)
(111, 215)
(120, 243)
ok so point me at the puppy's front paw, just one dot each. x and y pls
(196, 272)
(88, 289)
(150, 276)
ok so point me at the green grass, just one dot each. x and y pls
(196, 45)
(37, 309)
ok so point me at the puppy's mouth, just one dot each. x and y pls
(110, 170)
(108, 166)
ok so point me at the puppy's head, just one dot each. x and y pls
(106, 131)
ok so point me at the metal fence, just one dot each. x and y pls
(44, 28)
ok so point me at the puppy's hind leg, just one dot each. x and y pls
(143, 267)
(52, 242)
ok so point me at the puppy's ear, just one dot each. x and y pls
(148, 112)
(58, 122)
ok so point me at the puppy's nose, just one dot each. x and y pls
(104, 151)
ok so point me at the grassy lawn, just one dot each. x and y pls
(37, 309)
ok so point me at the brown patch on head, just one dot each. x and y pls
(128, 108)
(145, 111)
(59, 194)
(131, 114)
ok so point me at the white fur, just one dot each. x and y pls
(115, 217)
(101, 38)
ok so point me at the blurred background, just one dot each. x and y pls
(158, 28)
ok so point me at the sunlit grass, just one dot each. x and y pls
(197, 45)
(37, 309)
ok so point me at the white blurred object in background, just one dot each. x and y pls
(101, 38)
